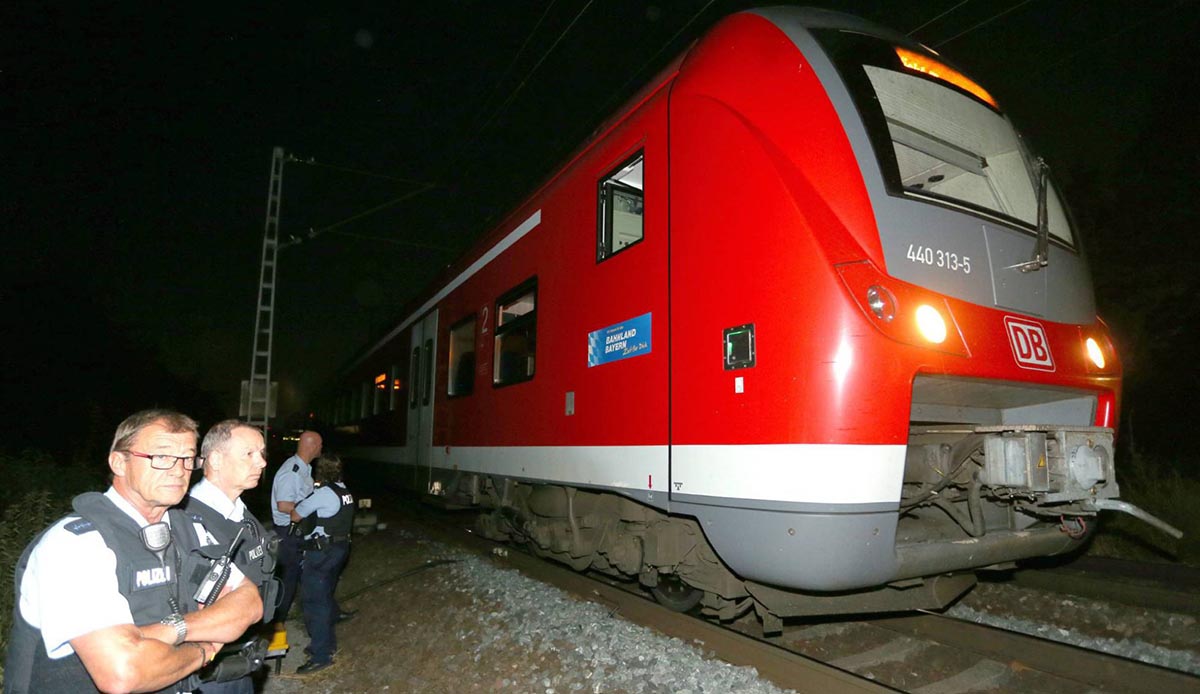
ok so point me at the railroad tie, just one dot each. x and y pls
(892, 651)
(986, 674)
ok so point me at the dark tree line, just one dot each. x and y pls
(72, 374)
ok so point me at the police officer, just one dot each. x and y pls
(293, 482)
(329, 512)
(234, 456)
(104, 596)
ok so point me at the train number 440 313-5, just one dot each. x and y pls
(939, 258)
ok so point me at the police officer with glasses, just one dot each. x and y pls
(234, 456)
(105, 596)
(328, 518)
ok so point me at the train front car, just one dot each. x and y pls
(914, 379)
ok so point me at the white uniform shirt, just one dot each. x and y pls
(211, 496)
(70, 587)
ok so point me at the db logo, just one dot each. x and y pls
(1029, 345)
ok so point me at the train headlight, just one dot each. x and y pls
(1094, 352)
(931, 324)
(881, 302)
(905, 312)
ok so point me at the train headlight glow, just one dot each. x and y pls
(931, 324)
(1095, 353)
(881, 302)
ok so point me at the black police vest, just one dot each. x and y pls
(341, 523)
(148, 584)
(255, 556)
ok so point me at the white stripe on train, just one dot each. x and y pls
(795, 473)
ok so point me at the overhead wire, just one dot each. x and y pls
(619, 91)
(524, 80)
(1123, 30)
(476, 132)
(314, 233)
(345, 169)
(517, 56)
(985, 22)
(943, 14)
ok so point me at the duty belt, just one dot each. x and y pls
(320, 542)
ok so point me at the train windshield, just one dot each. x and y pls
(940, 136)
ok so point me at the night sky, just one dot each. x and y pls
(138, 137)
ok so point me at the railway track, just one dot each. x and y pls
(1160, 586)
(925, 653)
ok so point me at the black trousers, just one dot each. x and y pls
(322, 568)
(288, 570)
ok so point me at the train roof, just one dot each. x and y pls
(784, 17)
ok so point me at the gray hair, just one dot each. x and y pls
(220, 434)
(128, 430)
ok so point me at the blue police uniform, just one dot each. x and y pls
(326, 549)
(293, 482)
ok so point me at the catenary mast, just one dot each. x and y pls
(257, 396)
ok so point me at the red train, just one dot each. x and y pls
(805, 328)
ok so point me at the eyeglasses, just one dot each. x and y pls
(161, 461)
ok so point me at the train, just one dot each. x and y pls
(804, 328)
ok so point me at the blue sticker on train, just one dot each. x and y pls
(623, 340)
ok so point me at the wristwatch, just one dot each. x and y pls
(176, 622)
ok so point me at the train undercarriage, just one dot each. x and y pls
(974, 497)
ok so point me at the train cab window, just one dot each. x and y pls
(940, 137)
(462, 358)
(620, 213)
(516, 335)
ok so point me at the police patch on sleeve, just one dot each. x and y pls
(79, 526)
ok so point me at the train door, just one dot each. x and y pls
(422, 362)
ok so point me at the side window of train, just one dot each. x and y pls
(379, 396)
(394, 386)
(462, 358)
(620, 216)
(516, 335)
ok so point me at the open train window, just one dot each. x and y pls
(516, 335)
(620, 213)
(462, 358)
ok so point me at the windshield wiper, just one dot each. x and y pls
(1041, 251)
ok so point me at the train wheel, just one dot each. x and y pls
(676, 595)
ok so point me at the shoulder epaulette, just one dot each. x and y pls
(295, 467)
(79, 526)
